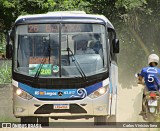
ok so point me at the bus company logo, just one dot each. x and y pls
(60, 93)
(81, 93)
(36, 92)
(39, 93)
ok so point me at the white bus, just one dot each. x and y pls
(64, 65)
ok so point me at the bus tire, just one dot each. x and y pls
(43, 121)
(105, 120)
(28, 120)
(112, 118)
(100, 120)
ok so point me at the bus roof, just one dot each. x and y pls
(65, 14)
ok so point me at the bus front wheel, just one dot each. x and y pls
(43, 121)
(28, 120)
(105, 120)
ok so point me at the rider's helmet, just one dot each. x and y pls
(153, 58)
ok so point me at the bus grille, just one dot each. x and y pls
(48, 108)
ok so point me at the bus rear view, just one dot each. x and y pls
(64, 66)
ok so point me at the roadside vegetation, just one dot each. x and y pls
(5, 72)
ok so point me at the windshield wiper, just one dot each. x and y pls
(77, 64)
(42, 62)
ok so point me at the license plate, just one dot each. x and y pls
(61, 106)
(152, 103)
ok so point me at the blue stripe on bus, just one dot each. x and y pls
(111, 88)
(92, 88)
(55, 93)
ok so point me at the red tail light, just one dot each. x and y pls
(152, 94)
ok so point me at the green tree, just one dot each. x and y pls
(71, 5)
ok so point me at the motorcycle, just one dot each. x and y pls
(151, 105)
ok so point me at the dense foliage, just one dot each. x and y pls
(5, 72)
(136, 22)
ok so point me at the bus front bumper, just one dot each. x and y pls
(85, 107)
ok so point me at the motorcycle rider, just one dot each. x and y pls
(150, 76)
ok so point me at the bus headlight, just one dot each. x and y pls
(99, 92)
(19, 92)
(23, 94)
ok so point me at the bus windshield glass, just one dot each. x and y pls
(54, 48)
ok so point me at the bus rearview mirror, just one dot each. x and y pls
(115, 43)
(8, 51)
(8, 48)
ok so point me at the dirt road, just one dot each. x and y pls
(129, 106)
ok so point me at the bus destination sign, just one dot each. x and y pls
(54, 28)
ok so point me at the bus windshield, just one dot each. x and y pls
(54, 48)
